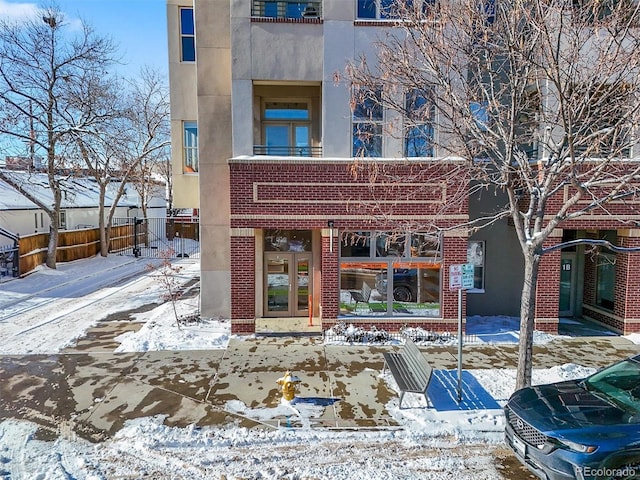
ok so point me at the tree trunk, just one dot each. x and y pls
(527, 319)
(52, 247)
(104, 238)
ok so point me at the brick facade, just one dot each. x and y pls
(305, 194)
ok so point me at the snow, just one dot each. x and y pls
(45, 312)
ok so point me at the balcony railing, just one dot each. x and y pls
(287, 151)
(286, 9)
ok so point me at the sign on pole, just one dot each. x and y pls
(460, 278)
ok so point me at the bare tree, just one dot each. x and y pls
(132, 134)
(537, 99)
(164, 170)
(43, 64)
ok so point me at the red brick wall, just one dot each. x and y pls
(242, 284)
(343, 192)
(628, 284)
(548, 289)
(330, 280)
(454, 252)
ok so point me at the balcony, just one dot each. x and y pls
(287, 151)
(286, 9)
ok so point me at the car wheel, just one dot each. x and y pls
(402, 294)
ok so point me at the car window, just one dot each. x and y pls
(620, 383)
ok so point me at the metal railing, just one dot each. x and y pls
(286, 9)
(158, 237)
(287, 151)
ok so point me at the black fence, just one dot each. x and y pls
(173, 237)
(9, 257)
(343, 333)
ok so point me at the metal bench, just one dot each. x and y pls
(361, 296)
(409, 369)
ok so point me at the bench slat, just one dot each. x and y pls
(410, 369)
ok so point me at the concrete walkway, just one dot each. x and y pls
(92, 393)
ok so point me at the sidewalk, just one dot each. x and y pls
(94, 393)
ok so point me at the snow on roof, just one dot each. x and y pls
(80, 192)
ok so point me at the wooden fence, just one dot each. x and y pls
(85, 243)
(72, 245)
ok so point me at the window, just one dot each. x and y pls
(606, 280)
(600, 11)
(367, 122)
(190, 145)
(387, 274)
(600, 129)
(389, 9)
(62, 220)
(606, 273)
(418, 139)
(480, 112)
(528, 123)
(286, 8)
(187, 35)
(286, 128)
(41, 220)
(475, 256)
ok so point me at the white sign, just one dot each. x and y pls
(460, 276)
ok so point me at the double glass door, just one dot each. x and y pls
(288, 284)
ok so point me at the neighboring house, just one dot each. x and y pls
(79, 208)
(284, 218)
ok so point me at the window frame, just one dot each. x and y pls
(382, 10)
(62, 220)
(291, 122)
(190, 156)
(187, 36)
(369, 259)
(417, 119)
(479, 263)
(367, 120)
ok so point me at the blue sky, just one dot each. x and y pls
(137, 26)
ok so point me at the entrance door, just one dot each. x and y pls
(567, 284)
(288, 284)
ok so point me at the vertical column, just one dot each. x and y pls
(627, 294)
(548, 287)
(330, 280)
(454, 250)
(243, 284)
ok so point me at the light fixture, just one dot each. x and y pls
(330, 223)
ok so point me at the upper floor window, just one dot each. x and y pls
(389, 9)
(286, 128)
(190, 146)
(367, 122)
(599, 11)
(420, 113)
(187, 35)
(286, 8)
(601, 123)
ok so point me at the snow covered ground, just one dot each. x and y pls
(49, 310)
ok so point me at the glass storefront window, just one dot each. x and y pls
(367, 288)
(425, 245)
(355, 244)
(390, 245)
(287, 240)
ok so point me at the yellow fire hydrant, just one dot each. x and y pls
(288, 384)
